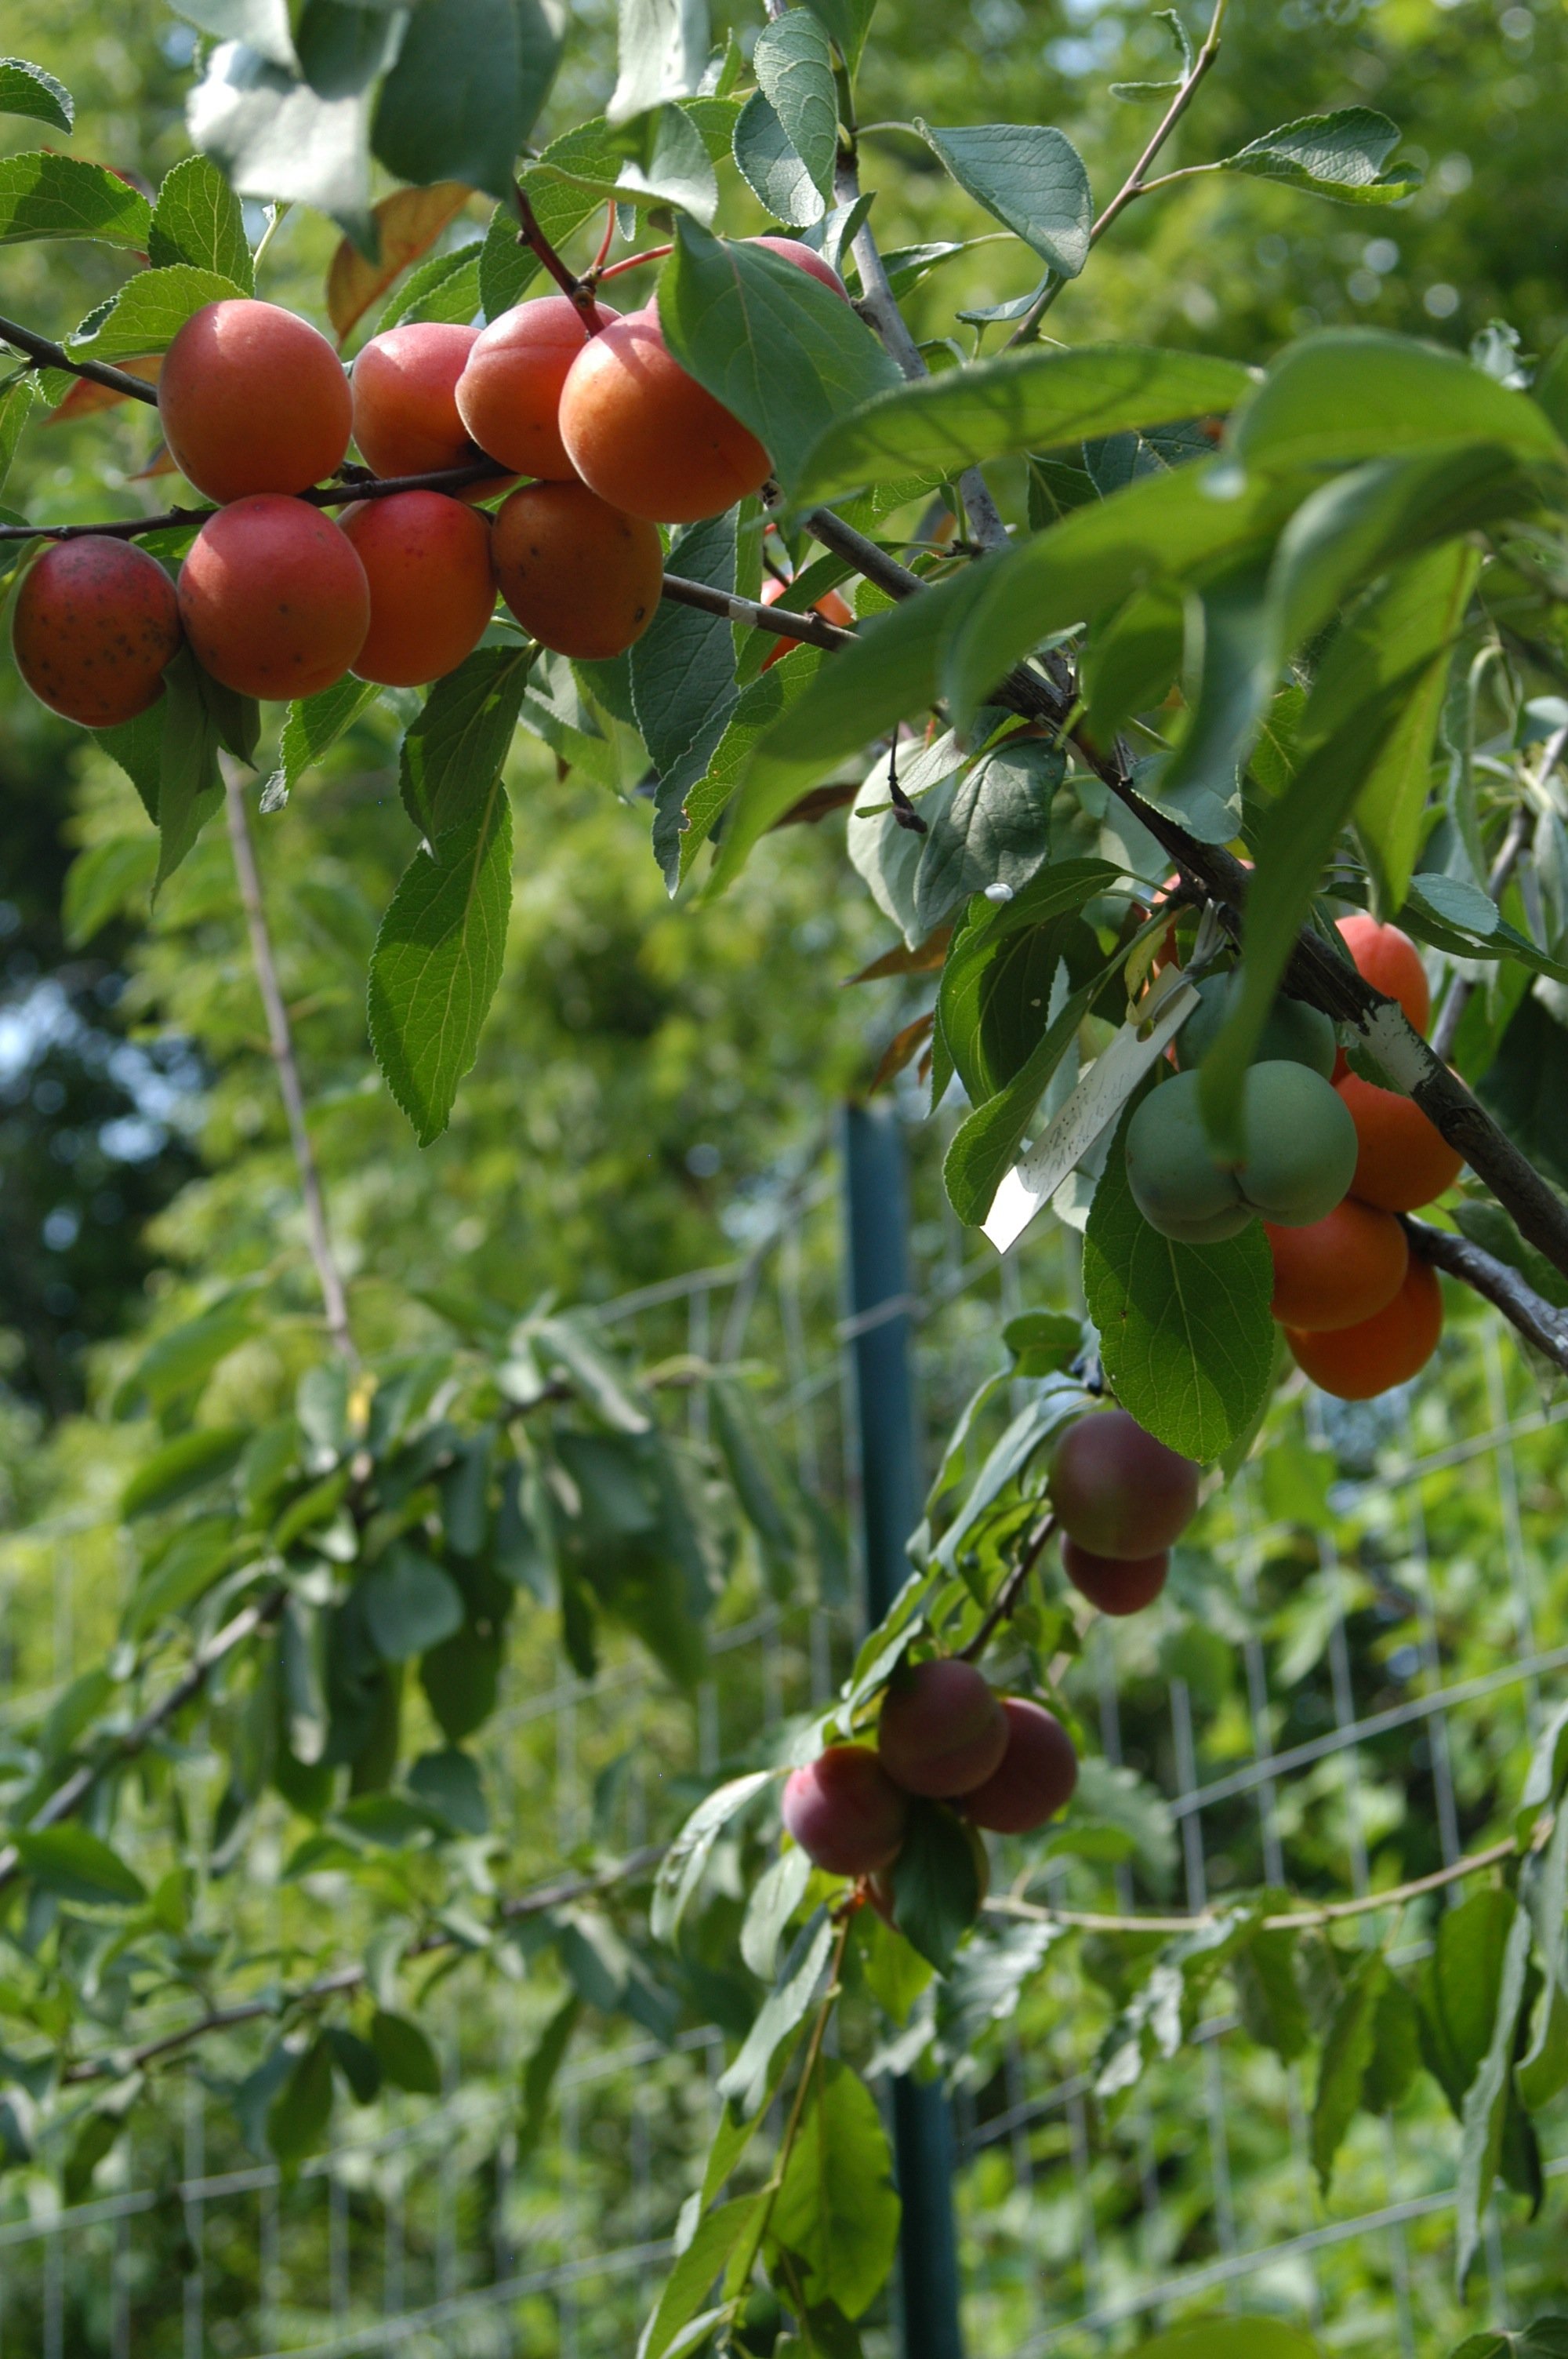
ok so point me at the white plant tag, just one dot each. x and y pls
(1087, 1114)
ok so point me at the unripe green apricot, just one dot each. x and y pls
(1299, 1156)
(1294, 1033)
(1176, 1184)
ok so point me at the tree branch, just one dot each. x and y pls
(1005, 1603)
(1539, 1321)
(280, 1040)
(355, 486)
(52, 355)
(572, 286)
(816, 629)
(1446, 1030)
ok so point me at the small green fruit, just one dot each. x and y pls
(1294, 1033)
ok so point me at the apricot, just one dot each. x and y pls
(1402, 1160)
(1293, 1034)
(95, 622)
(830, 606)
(274, 598)
(1297, 1156)
(1353, 1363)
(404, 387)
(580, 576)
(1387, 959)
(509, 395)
(646, 437)
(1035, 1778)
(1177, 1183)
(845, 1812)
(427, 559)
(253, 399)
(1116, 1585)
(942, 1730)
(1338, 1271)
(1116, 1490)
(805, 258)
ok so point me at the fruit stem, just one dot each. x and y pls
(530, 235)
(1005, 1603)
(606, 242)
(631, 261)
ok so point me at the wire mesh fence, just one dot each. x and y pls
(1336, 1692)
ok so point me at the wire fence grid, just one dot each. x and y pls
(1376, 1623)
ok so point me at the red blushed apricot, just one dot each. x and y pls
(274, 598)
(405, 408)
(646, 437)
(942, 1730)
(1387, 959)
(1402, 1160)
(95, 622)
(1116, 1585)
(1118, 1492)
(1338, 1271)
(1036, 1777)
(253, 399)
(845, 1812)
(805, 258)
(831, 607)
(432, 591)
(579, 575)
(509, 395)
(1355, 1363)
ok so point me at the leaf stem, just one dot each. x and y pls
(530, 235)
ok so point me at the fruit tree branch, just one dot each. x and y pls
(349, 492)
(280, 1040)
(813, 628)
(1539, 1321)
(576, 290)
(49, 354)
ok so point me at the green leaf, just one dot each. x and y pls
(405, 2055)
(1340, 155)
(1269, 1995)
(777, 348)
(658, 158)
(983, 1988)
(76, 1865)
(180, 1573)
(722, 2237)
(681, 1869)
(298, 2116)
(437, 960)
(272, 137)
(662, 49)
(1030, 400)
(1485, 2114)
(1396, 2049)
(190, 786)
(311, 726)
(782, 2013)
(543, 2063)
(985, 1143)
(935, 1883)
(837, 2210)
(356, 2061)
(262, 25)
(1342, 2068)
(409, 1603)
(15, 406)
(199, 220)
(1231, 2338)
(776, 1894)
(771, 168)
(446, 288)
(760, 1485)
(682, 683)
(1029, 178)
(1350, 393)
(848, 22)
(26, 89)
(182, 1360)
(460, 1679)
(462, 98)
(108, 880)
(150, 309)
(1001, 966)
(454, 749)
(44, 195)
(1186, 1331)
(996, 830)
(182, 1467)
(793, 67)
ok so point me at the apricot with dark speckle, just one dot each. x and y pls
(274, 598)
(96, 621)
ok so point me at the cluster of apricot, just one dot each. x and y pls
(278, 601)
(1006, 1764)
(1329, 1161)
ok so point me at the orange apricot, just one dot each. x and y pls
(1387, 959)
(274, 598)
(580, 576)
(1353, 1363)
(646, 437)
(405, 409)
(1339, 1270)
(509, 395)
(805, 258)
(432, 591)
(253, 399)
(1402, 1160)
(95, 622)
(830, 606)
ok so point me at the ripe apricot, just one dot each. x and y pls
(580, 575)
(805, 258)
(1116, 1585)
(1353, 1363)
(95, 622)
(1387, 959)
(253, 399)
(432, 591)
(1338, 1271)
(509, 395)
(830, 606)
(1293, 1034)
(1116, 1490)
(405, 409)
(845, 1812)
(274, 598)
(1402, 1160)
(942, 1730)
(646, 437)
(1035, 1778)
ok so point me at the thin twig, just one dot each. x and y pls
(1445, 1031)
(813, 628)
(280, 1040)
(49, 354)
(1537, 1320)
(345, 494)
(1005, 1603)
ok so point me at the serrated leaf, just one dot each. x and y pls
(1342, 2068)
(150, 309)
(848, 23)
(1186, 1335)
(26, 89)
(544, 2062)
(661, 52)
(683, 682)
(996, 830)
(446, 288)
(464, 94)
(657, 159)
(45, 195)
(837, 2210)
(775, 175)
(775, 1896)
(1486, 2099)
(720, 2235)
(1342, 156)
(793, 67)
(454, 749)
(311, 726)
(1028, 176)
(78, 1865)
(198, 220)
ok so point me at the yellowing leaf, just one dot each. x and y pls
(410, 221)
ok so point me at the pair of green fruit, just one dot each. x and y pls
(1298, 1141)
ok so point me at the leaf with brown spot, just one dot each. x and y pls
(410, 221)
